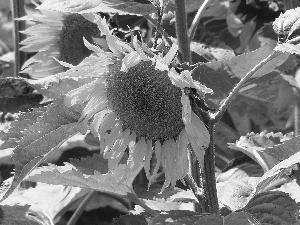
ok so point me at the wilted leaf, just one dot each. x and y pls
(69, 175)
(287, 26)
(17, 215)
(57, 124)
(94, 6)
(273, 207)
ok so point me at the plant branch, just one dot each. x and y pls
(81, 208)
(218, 115)
(181, 32)
(196, 20)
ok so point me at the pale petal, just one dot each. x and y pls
(83, 93)
(198, 137)
(168, 58)
(98, 117)
(111, 138)
(139, 50)
(158, 160)
(107, 123)
(118, 149)
(148, 159)
(130, 60)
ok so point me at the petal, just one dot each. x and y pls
(158, 160)
(98, 117)
(130, 60)
(83, 93)
(148, 158)
(118, 149)
(168, 58)
(111, 138)
(199, 137)
(139, 50)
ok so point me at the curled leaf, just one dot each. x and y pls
(287, 26)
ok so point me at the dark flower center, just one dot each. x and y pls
(146, 101)
(71, 46)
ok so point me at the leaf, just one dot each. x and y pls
(22, 121)
(69, 175)
(125, 7)
(238, 218)
(48, 200)
(282, 168)
(130, 220)
(176, 217)
(235, 193)
(287, 47)
(260, 148)
(273, 207)
(16, 215)
(42, 138)
(222, 76)
(90, 164)
(287, 26)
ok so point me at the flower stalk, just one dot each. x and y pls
(18, 11)
(182, 32)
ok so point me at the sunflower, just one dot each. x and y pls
(137, 101)
(55, 36)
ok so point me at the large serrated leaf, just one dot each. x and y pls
(273, 207)
(22, 121)
(42, 138)
(122, 7)
(222, 76)
(71, 176)
(267, 149)
(90, 164)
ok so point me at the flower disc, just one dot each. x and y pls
(71, 46)
(146, 101)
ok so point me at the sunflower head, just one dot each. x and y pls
(138, 102)
(56, 36)
(71, 47)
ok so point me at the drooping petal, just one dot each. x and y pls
(98, 117)
(199, 137)
(148, 158)
(158, 160)
(118, 149)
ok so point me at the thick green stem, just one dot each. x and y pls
(18, 11)
(182, 32)
(209, 184)
(209, 180)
